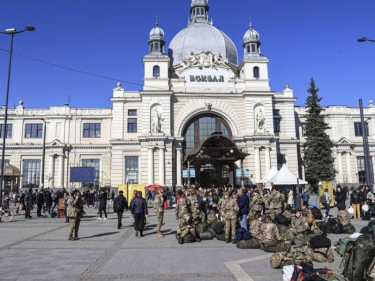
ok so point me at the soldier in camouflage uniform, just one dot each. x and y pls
(181, 207)
(220, 207)
(299, 223)
(256, 205)
(256, 226)
(269, 231)
(276, 204)
(266, 201)
(198, 215)
(185, 227)
(192, 201)
(75, 212)
(159, 210)
(230, 208)
(343, 217)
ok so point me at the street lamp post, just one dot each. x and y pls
(11, 32)
(366, 150)
(44, 153)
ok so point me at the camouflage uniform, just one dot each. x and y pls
(75, 213)
(192, 203)
(276, 203)
(159, 210)
(181, 208)
(287, 214)
(198, 216)
(270, 232)
(211, 217)
(256, 205)
(186, 226)
(221, 210)
(266, 202)
(230, 208)
(343, 216)
(255, 229)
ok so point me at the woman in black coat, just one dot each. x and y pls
(340, 198)
(102, 204)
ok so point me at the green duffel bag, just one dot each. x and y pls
(270, 247)
(284, 245)
(206, 235)
(221, 236)
(213, 233)
(253, 243)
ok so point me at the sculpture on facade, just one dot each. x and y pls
(204, 59)
(260, 122)
(156, 121)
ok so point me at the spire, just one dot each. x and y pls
(157, 21)
(199, 11)
(251, 25)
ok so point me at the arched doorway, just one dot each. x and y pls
(210, 150)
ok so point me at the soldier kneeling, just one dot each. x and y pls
(186, 226)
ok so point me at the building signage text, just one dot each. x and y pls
(206, 78)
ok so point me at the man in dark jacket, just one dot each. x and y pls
(102, 204)
(243, 204)
(340, 197)
(28, 202)
(47, 200)
(139, 210)
(355, 202)
(39, 202)
(119, 205)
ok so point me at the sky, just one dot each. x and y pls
(302, 39)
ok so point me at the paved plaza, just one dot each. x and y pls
(38, 249)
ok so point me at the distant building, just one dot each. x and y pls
(202, 108)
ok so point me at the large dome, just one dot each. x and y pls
(199, 37)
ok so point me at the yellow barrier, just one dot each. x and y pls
(132, 188)
(329, 186)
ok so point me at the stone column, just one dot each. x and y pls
(257, 165)
(51, 170)
(161, 165)
(179, 166)
(339, 160)
(150, 165)
(61, 171)
(349, 167)
(268, 159)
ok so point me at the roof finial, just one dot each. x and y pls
(251, 25)
(157, 20)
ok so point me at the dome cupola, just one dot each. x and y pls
(251, 42)
(156, 41)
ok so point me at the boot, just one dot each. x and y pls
(227, 240)
(159, 234)
(234, 241)
(197, 239)
(76, 235)
(180, 240)
(71, 237)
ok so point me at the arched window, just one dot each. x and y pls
(156, 71)
(256, 72)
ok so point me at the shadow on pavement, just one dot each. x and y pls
(99, 235)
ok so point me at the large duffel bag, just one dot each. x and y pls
(201, 227)
(334, 226)
(248, 244)
(284, 245)
(188, 238)
(213, 233)
(270, 247)
(348, 229)
(206, 235)
(218, 227)
(220, 237)
(320, 241)
(323, 255)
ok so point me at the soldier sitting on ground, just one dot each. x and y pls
(269, 231)
(186, 226)
(256, 227)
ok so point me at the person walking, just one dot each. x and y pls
(102, 204)
(340, 197)
(28, 203)
(159, 210)
(140, 212)
(355, 202)
(22, 203)
(75, 213)
(119, 205)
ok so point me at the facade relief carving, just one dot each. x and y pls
(260, 121)
(204, 59)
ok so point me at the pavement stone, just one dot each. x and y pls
(38, 249)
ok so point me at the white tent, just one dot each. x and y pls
(285, 177)
(271, 173)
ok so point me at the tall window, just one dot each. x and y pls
(303, 126)
(34, 131)
(256, 72)
(253, 48)
(281, 160)
(361, 169)
(276, 125)
(8, 132)
(132, 125)
(358, 129)
(131, 169)
(156, 71)
(95, 163)
(31, 173)
(91, 130)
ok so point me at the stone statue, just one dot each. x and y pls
(260, 121)
(156, 121)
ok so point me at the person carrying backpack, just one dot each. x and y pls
(326, 202)
(119, 205)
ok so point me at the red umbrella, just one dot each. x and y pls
(154, 186)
